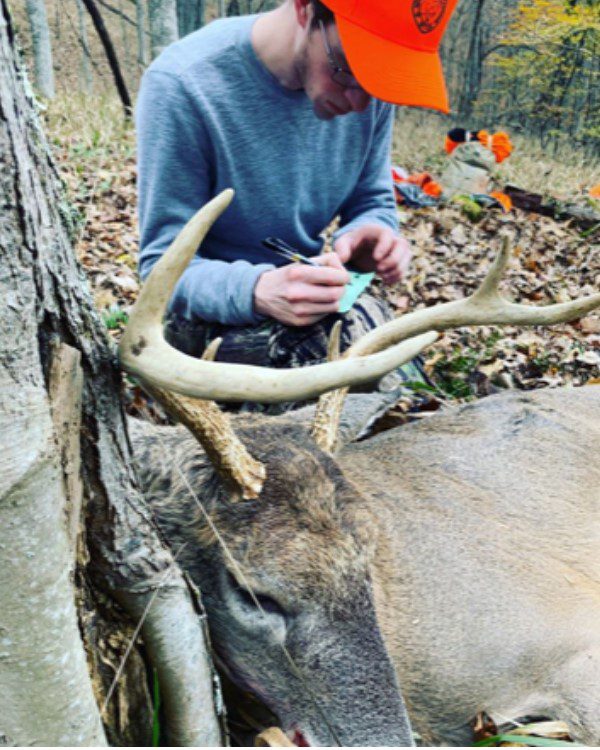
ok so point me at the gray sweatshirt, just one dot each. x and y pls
(211, 116)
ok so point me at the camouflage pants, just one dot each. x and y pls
(273, 344)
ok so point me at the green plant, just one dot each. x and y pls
(452, 373)
(470, 208)
(113, 318)
(522, 739)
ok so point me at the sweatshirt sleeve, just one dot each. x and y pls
(372, 201)
(175, 171)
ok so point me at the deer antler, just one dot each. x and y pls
(166, 373)
(484, 307)
(144, 352)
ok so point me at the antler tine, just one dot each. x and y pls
(333, 345)
(329, 406)
(145, 353)
(211, 350)
(213, 430)
(489, 286)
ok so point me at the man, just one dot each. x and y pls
(271, 106)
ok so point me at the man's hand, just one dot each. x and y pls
(299, 294)
(373, 247)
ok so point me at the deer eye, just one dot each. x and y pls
(265, 603)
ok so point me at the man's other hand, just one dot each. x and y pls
(373, 247)
(299, 294)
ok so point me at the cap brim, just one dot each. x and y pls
(391, 72)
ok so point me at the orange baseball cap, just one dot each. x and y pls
(392, 47)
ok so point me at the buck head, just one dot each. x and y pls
(285, 581)
(278, 540)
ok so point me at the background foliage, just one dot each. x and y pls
(532, 65)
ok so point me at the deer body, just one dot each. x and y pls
(478, 532)
(488, 562)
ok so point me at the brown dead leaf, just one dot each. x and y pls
(402, 303)
(104, 298)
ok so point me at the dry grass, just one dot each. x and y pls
(567, 174)
(89, 126)
(94, 127)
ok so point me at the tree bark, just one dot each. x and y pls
(81, 562)
(124, 37)
(162, 15)
(474, 63)
(42, 48)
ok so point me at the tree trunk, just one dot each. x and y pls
(81, 562)
(111, 55)
(86, 66)
(140, 15)
(190, 15)
(162, 15)
(124, 37)
(474, 63)
(472, 32)
(42, 49)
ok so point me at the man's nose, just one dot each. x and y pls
(358, 99)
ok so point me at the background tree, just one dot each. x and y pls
(548, 67)
(111, 54)
(42, 48)
(141, 21)
(190, 15)
(164, 30)
(125, 44)
(474, 30)
(86, 66)
(80, 560)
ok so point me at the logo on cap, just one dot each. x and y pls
(428, 14)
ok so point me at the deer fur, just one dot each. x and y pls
(454, 562)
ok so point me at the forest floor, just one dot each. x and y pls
(552, 261)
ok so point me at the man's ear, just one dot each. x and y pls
(304, 12)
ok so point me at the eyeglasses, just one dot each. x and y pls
(342, 76)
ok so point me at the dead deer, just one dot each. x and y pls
(452, 564)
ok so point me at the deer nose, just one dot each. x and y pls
(358, 99)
